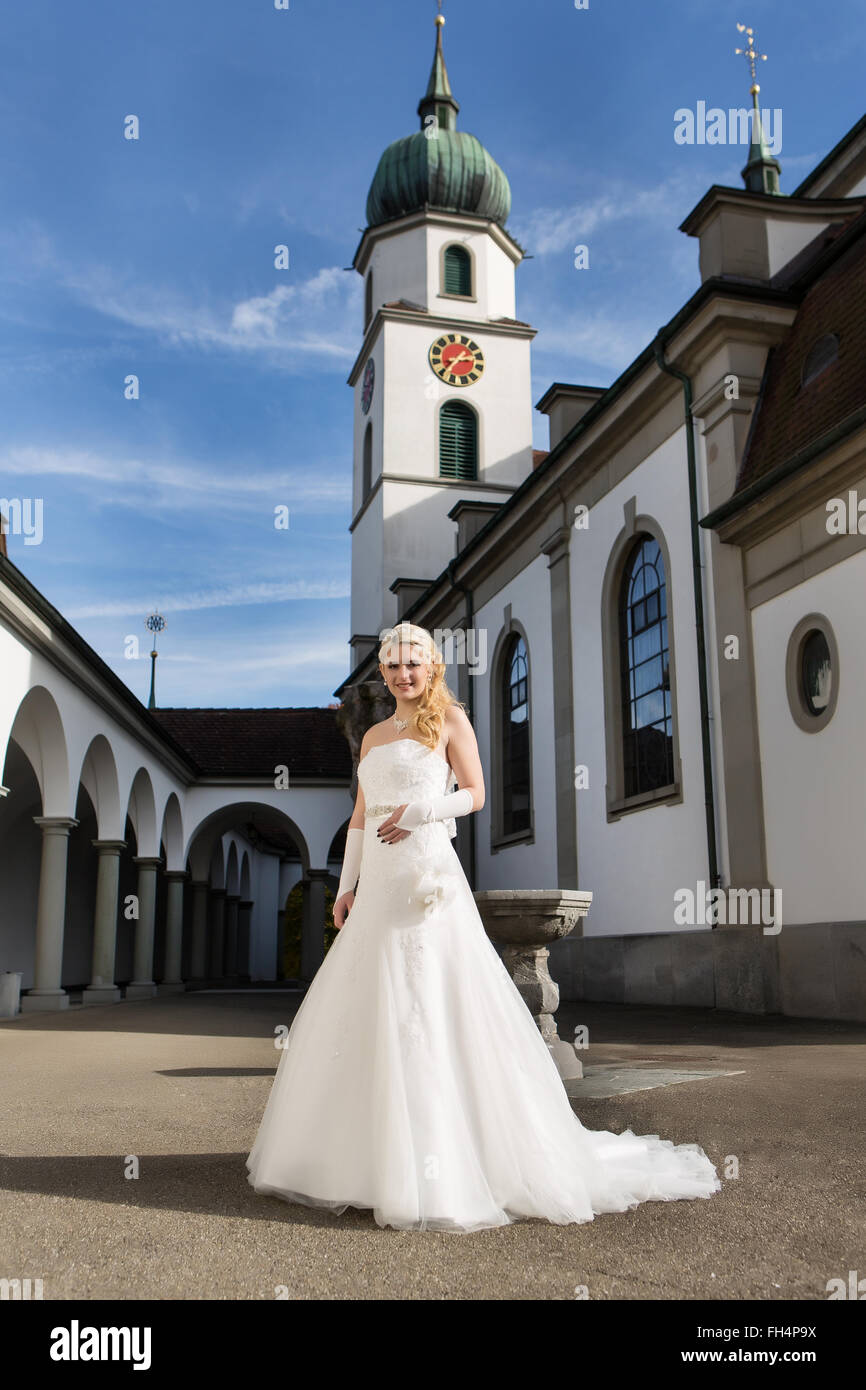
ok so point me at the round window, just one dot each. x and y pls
(816, 672)
(812, 673)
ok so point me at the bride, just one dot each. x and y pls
(414, 1080)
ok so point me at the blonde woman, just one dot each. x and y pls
(414, 1081)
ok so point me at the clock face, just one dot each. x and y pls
(458, 360)
(369, 383)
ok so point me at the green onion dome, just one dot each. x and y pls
(453, 172)
(438, 166)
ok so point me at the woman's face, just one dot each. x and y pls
(405, 672)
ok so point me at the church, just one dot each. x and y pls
(655, 626)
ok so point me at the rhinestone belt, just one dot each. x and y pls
(380, 810)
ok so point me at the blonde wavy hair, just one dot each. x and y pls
(437, 698)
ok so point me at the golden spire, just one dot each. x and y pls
(751, 53)
(761, 174)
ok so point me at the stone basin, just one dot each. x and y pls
(524, 921)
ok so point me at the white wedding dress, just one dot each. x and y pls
(414, 1080)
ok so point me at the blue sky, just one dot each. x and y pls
(260, 127)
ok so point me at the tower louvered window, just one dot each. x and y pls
(458, 442)
(367, 463)
(457, 271)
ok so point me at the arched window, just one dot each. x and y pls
(368, 299)
(820, 356)
(458, 441)
(457, 271)
(367, 465)
(647, 723)
(515, 738)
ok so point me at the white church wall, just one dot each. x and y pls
(374, 418)
(413, 397)
(787, 236)
(399, 266)
(493, 275)
(634, 865)
(530, 865)
(368, 570)
(813, 784)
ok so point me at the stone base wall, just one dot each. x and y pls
(812, 971)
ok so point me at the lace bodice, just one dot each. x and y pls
(404, 770)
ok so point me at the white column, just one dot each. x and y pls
(198, 957)
(50, 916)
(217, 931)
(142, 985)
(102, 989)
(230, 967)
(172, 982)
(245, 908)
(313, 922)
(266, 918)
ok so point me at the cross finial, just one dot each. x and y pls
(440, 18)
(751, 53)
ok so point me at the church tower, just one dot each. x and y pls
(443, 401)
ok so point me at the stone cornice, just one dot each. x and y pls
(437, 218)
(825, 468)
(448, 323)
(762, 204)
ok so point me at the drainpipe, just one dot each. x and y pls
(697, 585)
(470, 702)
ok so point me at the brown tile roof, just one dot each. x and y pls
(790, 416)
(253, 742)
(538, 456)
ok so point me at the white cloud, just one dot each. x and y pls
(175, 485)
(300, 323)
(315, 321)
(549, 231)
(230, 596)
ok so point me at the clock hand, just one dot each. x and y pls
(464, 357)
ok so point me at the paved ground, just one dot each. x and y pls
(182, 1082)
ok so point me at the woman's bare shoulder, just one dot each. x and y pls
(376, 733)
(456, 722)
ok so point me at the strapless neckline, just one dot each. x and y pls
(395, 742)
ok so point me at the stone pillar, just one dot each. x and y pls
(245, 909)
(217, 932)
(556, 548)
(313, 922)
(102, 989)
(230, 961)
(50, 916)
(172, 983)
(198, 955)
(525, 922)
(142, 985)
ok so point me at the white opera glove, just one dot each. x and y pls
(446, 807)
(351, 862)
